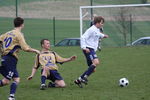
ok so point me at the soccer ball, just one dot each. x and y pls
(123, 82)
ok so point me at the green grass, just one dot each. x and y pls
(130, 62)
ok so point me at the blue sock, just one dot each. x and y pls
(13, 88)
(83, 74)
(1, 83)
(43, 79)
(90, 70)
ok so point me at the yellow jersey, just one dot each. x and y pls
(48, 59)
(12, 41)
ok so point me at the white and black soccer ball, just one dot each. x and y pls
(123, 82)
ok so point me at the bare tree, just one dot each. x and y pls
(122, 21)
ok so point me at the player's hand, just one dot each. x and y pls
(30, 78)
(73, 58)
(106, 36)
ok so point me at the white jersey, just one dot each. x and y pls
(91, 38)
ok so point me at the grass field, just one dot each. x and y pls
(116, 61)
(130, 62)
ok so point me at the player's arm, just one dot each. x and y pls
(24, 45)
(60, 59)
(35, 67)
(102, 35)
(105, 36)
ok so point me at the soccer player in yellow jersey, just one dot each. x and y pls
(10, 44)
(48, 59)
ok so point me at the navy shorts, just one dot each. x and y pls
(8, 67)
(54, 75)
(90, 56)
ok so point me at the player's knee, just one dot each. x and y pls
(96, 62)
(5, 81)
(62, 85)
(17, 80)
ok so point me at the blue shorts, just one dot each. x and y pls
(8, 68)
(54, 75)
(90, 56)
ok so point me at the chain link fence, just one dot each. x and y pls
(40, 14)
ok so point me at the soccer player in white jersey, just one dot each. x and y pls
(89, 44)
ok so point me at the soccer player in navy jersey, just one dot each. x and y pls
(89, 44)
(10, 44)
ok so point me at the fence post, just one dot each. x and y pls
(16, 8)
(91, 4)
(130, 28)
(54, 29)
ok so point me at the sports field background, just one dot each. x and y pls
(117, 61)
(130, 62)
(37, 29)
(39, 15)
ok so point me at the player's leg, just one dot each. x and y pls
(43, 78)
(92, 58)
(13, 88)
(5, 72)
(56, 78)
(9, 64)
(60, 83)
(92, 67)
(4, 82)
(7, 69)
(92, 62)
(89, 62)
(90, 70)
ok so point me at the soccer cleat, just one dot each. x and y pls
(84, 80)
(11, 98)
(78, 82)
(43, 87)
(51, 85)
